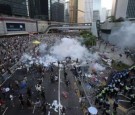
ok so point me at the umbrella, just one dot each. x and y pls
(36, 42)
(92, 110)
(7, 89)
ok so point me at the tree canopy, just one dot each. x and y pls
(89, 39)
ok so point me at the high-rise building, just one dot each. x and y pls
(103, 14)
(123, 8)
(96, 10)
(73, 6)
(57, 12)
(108, 13)
(14, 7)
(88, 11)
(81, 11)
(96, 15)
(66, 17)
(5, 9)
(38, 9)
(131, 9)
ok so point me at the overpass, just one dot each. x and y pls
(35, 26)
(76, 26)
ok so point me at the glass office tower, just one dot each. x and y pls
(14, 7)
(38, 9)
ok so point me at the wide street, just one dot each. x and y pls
(71, 102)
(57, 93)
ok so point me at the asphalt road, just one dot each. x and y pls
(71, 103)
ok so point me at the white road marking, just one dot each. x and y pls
(5, 111)
(33, 109)
(59, 92)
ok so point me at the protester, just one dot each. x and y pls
(43, 109)
(11, 54)
(29, 92)
(11, 100)
(29, 103)
(63, 110)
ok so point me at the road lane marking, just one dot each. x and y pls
(59, 91)
(33, 109)
(5, 111)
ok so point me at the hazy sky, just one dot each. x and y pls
(107, 4)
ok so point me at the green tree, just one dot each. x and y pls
(89, 39)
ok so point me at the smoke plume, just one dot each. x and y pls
(125, 36)
(66, 47)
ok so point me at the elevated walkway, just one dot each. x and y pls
(79, 26)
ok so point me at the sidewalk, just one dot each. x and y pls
(114, 55)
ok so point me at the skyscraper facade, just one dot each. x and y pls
(57, 12)
(88, 11)
(14, 7)
(73, 6)
(103, 14)
(131, 9)
(81, 11)
(96, 15)
(66, 17)
(38, 9)
(123, 8)
(96, 10)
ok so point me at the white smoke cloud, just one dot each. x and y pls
(42, 48)
(60, 50)
(98, 67)
(125, 36)
(26, 57)
(69, 47)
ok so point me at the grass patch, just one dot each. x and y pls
(119, 66)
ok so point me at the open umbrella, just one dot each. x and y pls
(7, 89)
(92, 110)
(36, 42)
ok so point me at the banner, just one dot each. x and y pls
(15, 26)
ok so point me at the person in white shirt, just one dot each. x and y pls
(11, 99)
(38, 88)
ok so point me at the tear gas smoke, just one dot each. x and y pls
(124, 37)
(98, 67)
(69, 47)
(60, 50)
(42, 48)
(26, 57)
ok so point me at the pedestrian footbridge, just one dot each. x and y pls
(78, 26)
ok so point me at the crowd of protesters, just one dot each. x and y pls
(22, 90)
(11, 49)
